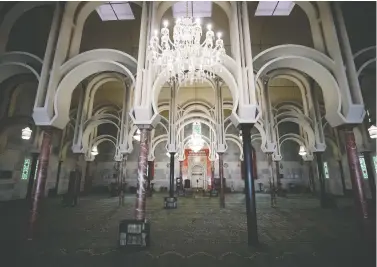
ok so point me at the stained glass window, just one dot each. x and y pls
(26, 169)
(375, 163)
(363, 167)
(196, 128)
(326, 169)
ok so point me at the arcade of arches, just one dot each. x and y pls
(102, 119)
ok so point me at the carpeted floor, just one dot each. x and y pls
(296, 233)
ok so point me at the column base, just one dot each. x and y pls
(134, 234)
(170, 202)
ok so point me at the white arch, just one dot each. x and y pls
(328, 84)
(364, 65)
(235, 139)
(195, 115)
(64, 91)
(304, 125)
(294, 50)
(10, 69)
(82, 10)
(89, 128)
(95, 84)
(102, 53)
(225, 74)
(13, 15)
(159, 139)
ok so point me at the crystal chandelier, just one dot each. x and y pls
(184, 58)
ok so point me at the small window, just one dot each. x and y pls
(375, 163)
(115, 11)
(363, 167)
(326, 170)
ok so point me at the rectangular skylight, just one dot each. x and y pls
(202, 9)
(266, 8)
(274, 8)
(284, 8)
(115, 11)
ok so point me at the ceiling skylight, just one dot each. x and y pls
(274, 8)
(202, 9)
(115, 11)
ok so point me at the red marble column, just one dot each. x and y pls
(142, 175)
(221, 174)
(41, 179)
(357, 182)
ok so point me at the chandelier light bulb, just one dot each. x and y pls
(209, 27)
(155, 32)
(197, 20)
(219, 35)
(166, 23)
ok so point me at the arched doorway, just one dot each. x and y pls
(197, 176)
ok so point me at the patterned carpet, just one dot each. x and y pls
(198, 233)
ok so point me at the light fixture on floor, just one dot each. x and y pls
(302, 151)
(94, 151)
(26, 133)
(372, 132)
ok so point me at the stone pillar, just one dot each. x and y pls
(88, 178)
(212, 175)
(372, 183)
(181, 169)
(41, 179)
(142, 175)
(321, 179)
(272, 181)
(357, 183)
(251, 215)
(280, 192)
(122, 185)
(221, 174)
(58, 177)
(171, 184)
